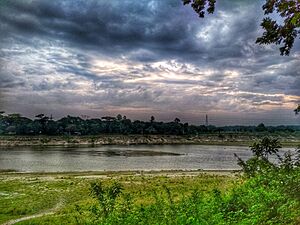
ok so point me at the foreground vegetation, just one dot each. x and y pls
(29, 194)
(266, 193)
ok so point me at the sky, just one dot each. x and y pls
(143, 58)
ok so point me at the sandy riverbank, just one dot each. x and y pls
(205, 139)
(109, 174)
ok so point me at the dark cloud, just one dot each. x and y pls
(141, 57)
(165, 29)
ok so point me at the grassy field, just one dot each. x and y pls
(151, 198)
(29, 194)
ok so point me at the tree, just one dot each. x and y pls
(119, 117)
(43, 120)
(274, 33)
(13, 118)
(297, 110)
(265, 147)
(200, 6)
(286, 33)
(261, 127)
(177, 120)
(152, 119)
(259, 162)
(262, 163)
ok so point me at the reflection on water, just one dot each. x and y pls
(120, 158)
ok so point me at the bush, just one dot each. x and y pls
(269, 193)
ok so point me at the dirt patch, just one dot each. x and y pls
(45, 213)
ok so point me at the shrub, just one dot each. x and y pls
(268, 194)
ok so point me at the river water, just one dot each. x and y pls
(122, 158)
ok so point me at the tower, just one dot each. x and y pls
(206, 120)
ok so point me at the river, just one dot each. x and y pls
(122, 158)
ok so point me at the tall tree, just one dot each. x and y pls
(152, 119)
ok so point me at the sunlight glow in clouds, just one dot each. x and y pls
(143, 58)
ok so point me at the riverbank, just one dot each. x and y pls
(54, 198)
(241, 139)
(161, 197)
(110, 174)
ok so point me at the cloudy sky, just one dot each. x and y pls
(143, 58)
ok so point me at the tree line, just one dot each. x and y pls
(15, 124)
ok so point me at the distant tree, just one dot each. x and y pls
(14, 115)
(40, 116)
(43, 120)
(71, 128)
(138, 127)
(13, 118)
(51, 128)
(151, 130)
(11, 130)
(261, 127)
(127, 125)
(152, 119)
(185, 128)
(19, 125)
(176, 120)
(281, 32)
(119, 117)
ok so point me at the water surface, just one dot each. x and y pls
(122, 158)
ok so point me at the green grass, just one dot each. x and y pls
(153, 198)
(23, 195)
